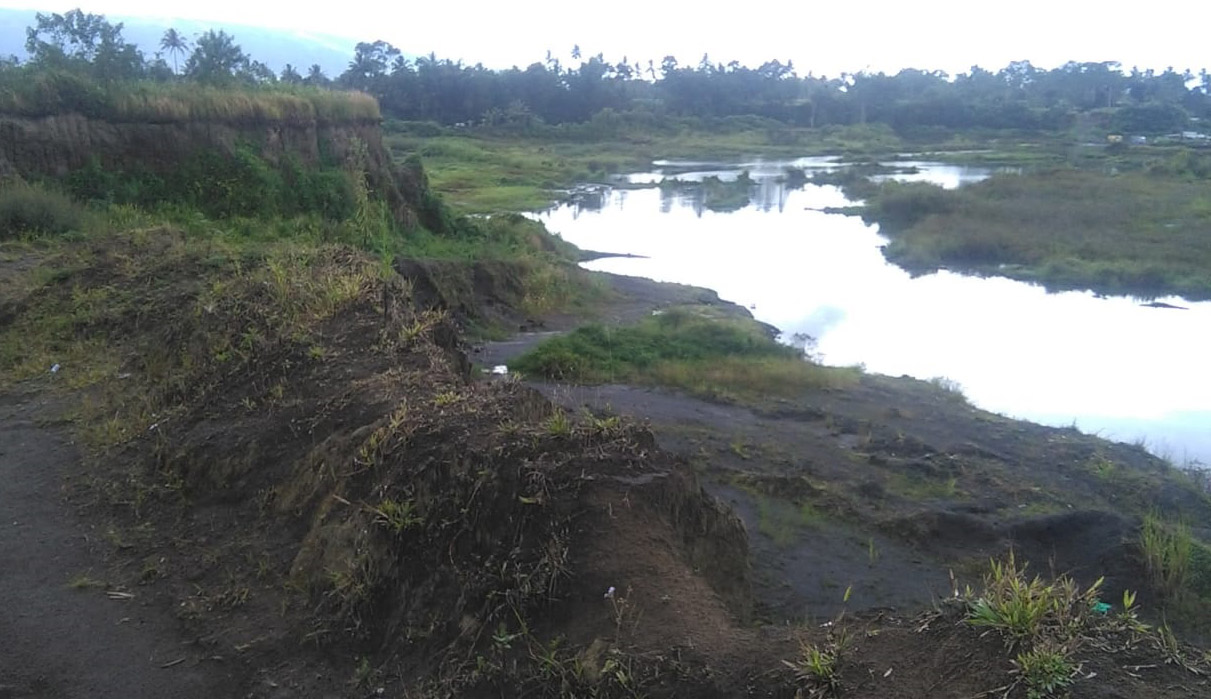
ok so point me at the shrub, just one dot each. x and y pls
(26, 209)
(899, 206)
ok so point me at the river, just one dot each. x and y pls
(1108, 365)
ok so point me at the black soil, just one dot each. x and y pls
(378, 519)
(63, 631)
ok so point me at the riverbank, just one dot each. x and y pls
(873, 483)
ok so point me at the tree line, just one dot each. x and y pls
(428, 88)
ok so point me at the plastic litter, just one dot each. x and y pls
(54, 369)
(500, 370)
(1101, 608)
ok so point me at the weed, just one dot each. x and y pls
(397, 516)
(816, 668)
(622, 612)
(1047, 671)
(1167, 549)
(85, 581)
(362, 672)
(445, 398)
(783, 521)
(1025, 609)
(952, 388)
(559, 424)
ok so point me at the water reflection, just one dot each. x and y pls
(1109, 365)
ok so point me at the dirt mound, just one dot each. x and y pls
(318, 465)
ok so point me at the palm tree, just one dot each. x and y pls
(315, 76)
(290, 74)
(174, 44)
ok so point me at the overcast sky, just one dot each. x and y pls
(821, 37)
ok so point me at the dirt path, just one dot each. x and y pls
(61, 641)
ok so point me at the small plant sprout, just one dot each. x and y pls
(620, 610)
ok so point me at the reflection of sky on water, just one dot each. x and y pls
(1108, 364)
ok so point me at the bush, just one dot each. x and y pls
(899, 206)
(26, 209)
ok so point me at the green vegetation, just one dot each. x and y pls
(714, 193)
(1147, 234)
(30, 93)
(1047, 622)
(685, 348)
(1179, 565)
(1167, 548)
(816, 668)
(488, 170)
(1047, 672)
(1026, 609)
(36, 210)
(782, 521)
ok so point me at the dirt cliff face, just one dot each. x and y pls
(57, 146)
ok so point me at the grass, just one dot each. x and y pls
(684, 348)
(784, 521)
(38, 93)
(1168, 548)
(815, 668)
(1047, 621)
(33, 210)
(1047, 672)
(1029, 609)
(1141, 233)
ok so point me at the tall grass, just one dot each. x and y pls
(39, 93)
(33, 209)
(1167, 548)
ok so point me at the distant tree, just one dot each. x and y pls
(291, 75)
(257, 72)
(216, 59)
(83, 42)
(175, 45)
(315, 76)
(369, 64)
(158, 69)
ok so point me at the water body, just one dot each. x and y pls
(1110, 365)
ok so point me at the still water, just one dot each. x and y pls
(1111, 366)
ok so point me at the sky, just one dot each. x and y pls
(825, 38)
